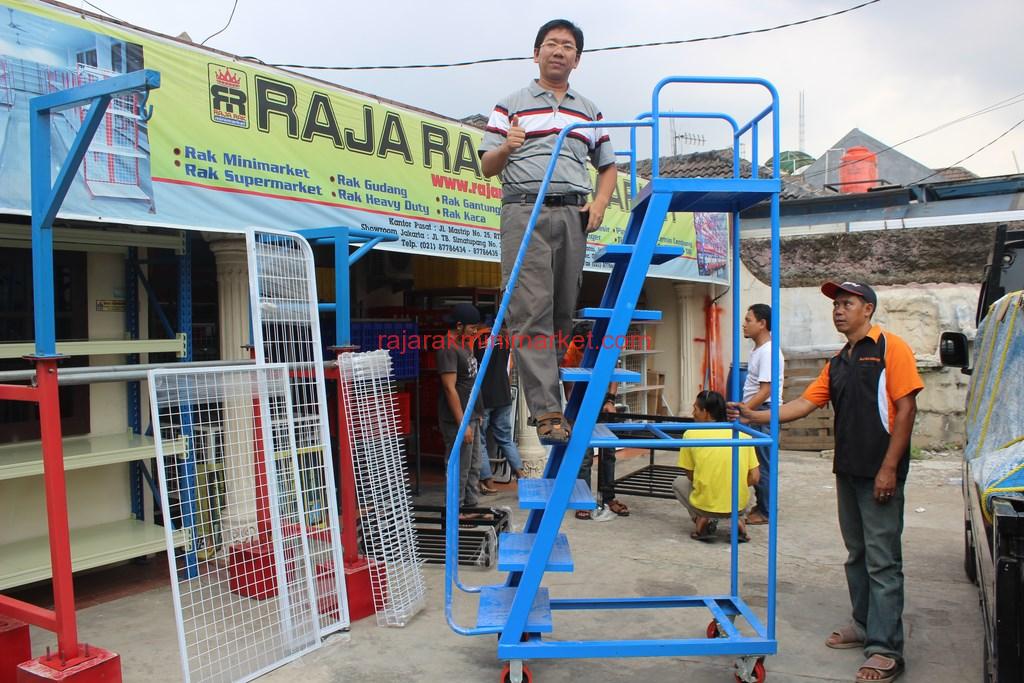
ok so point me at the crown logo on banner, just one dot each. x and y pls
(227, 78)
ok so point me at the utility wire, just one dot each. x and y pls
(1001, 104)
(100, 9)
(983, 147)
(230, 17)
(494, 60)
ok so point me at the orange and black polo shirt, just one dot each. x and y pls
(863, 383)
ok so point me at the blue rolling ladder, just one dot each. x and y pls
(519, 610)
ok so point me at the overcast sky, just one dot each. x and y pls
(894, 69)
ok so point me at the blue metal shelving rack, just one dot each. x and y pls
(519, 610)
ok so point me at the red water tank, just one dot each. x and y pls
(858, 171)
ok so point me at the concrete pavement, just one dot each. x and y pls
(647, 553)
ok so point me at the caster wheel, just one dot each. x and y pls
(713, 630)
(506, 674)
(758, 673)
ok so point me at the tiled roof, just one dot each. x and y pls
(475, 120)
(955, 173)
(718, 164)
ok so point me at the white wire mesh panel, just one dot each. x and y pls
(382, 487)
(243, 587)
(286, 329)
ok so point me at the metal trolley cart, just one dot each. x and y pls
(519, 610)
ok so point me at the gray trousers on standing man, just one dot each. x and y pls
(544, 299)
(872, 532)
(469, 460)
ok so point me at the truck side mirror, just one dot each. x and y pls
(954, 351)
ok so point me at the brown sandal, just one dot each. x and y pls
(845, 638)
(552, 429)
(884, 669)
(618, 508)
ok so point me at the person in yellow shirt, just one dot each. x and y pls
(706, 489)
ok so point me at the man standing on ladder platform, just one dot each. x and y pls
(520, 138)
(873, 385)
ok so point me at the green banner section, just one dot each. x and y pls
(233, 144)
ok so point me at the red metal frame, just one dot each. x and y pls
(358, 584)
(61, 619)
(346, 471)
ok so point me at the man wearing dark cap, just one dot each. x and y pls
(457, 366)
(518, 145)
(873, 384)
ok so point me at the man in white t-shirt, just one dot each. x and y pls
(757, 391)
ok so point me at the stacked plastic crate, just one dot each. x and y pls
(399, 338)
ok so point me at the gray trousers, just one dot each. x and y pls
(469, 461)
(682, 487)
(872, 532)
(544, 299)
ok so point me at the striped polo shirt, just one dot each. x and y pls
(543, 118)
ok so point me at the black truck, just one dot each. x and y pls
(994, 551)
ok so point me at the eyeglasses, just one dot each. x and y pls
(554, 45)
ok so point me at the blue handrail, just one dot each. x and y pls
(451, 490)
(654, 116)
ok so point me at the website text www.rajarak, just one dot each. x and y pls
(436, 342)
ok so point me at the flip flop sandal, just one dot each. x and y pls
(583, 514)
(552, 429)
(845, 638)
(890, 669)
(708, 534)
(756, 519)
(473, 516)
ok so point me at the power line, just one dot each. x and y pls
(983, 147)
(1001, 104)
(100, 9)
(494, 60)
(230, 17)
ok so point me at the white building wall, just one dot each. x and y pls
(917, 312)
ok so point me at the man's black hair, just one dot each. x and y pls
(762, 313)
(577, 33)
(714, 403)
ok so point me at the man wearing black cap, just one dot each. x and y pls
(873, 384)
(457, 366)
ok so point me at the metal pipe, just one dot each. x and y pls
(123, 373)
(21, 375)
(57, 508)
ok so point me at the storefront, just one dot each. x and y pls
(153, 269)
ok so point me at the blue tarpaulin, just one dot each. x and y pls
(995, 403)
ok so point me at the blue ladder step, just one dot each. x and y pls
(514, 552)
(605, 313)
(496, 603)
(585, 375)
(534, 494)
(708, 195)
(620, 253)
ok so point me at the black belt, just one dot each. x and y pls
(549, 200)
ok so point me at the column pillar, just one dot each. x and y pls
(534, 454)
(687, 302)
(232, 296)
(239, 522)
